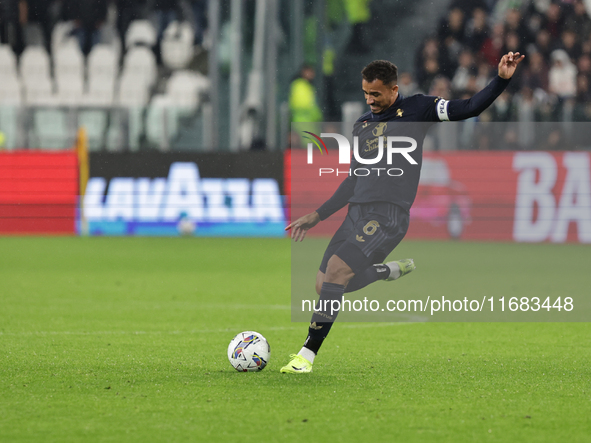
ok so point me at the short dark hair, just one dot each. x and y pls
(382, 70)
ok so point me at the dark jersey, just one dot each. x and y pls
(395, 178)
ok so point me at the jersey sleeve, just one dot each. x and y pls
(454, 110)
(339, 199)
(427, 106)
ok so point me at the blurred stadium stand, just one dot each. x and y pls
(198, 75)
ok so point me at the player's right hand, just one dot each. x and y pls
(302, 224)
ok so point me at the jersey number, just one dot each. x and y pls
(371, 227)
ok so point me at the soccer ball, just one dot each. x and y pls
(186, 226)
(249, 351)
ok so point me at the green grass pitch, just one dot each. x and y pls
(124, 340)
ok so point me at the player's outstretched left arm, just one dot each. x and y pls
(300, 227)
(455, 110)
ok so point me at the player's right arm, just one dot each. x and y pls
(339, 200)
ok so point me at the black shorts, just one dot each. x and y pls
(369, 233)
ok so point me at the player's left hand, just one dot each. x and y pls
(509, 63)
(302, 224)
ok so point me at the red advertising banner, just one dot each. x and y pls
(38, 192)
(498, 196)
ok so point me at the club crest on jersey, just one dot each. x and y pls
(379, 129)
(399, 112)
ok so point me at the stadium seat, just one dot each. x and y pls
(34, 64)
(177, 45)
(70, 91)
(161, 122)
(140, 64)
(102, 75)
(69, 75)
(183, 87)
(101, 92)
(140, 32)
(39, 92)
(7, 63)
(197, 80)
(10, 92)
(68, 63)
(102, 62)
(132, 92)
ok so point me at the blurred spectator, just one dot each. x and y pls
(562, 76)
(452, 26)
(501, 110)
(358, 14)
(37, 12)
(483, 77)
(582, 110)
(526, 113)
(11, 20)
(533, 20)
(535, 75)
(89, 17)
(579, 22)
(570, 44)
(452, 32)
(440, 87)
(466, 69)
(477, 30)
(164, 13)
(302, 97)
(583, 91)
(199, 9)
(553, 20)
(491, 49)
(469, 6)
(586, 46)
(512, 44)
(544, 44)
(429, 71)
(501, 7)
(431, 60)
(514, 25)
(128, 11)
(584, 65)
(406, 85)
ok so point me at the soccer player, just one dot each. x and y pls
(379, 205)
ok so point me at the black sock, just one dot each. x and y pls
(323, 316)
(371, 274)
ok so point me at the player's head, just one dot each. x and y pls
(379, 85)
